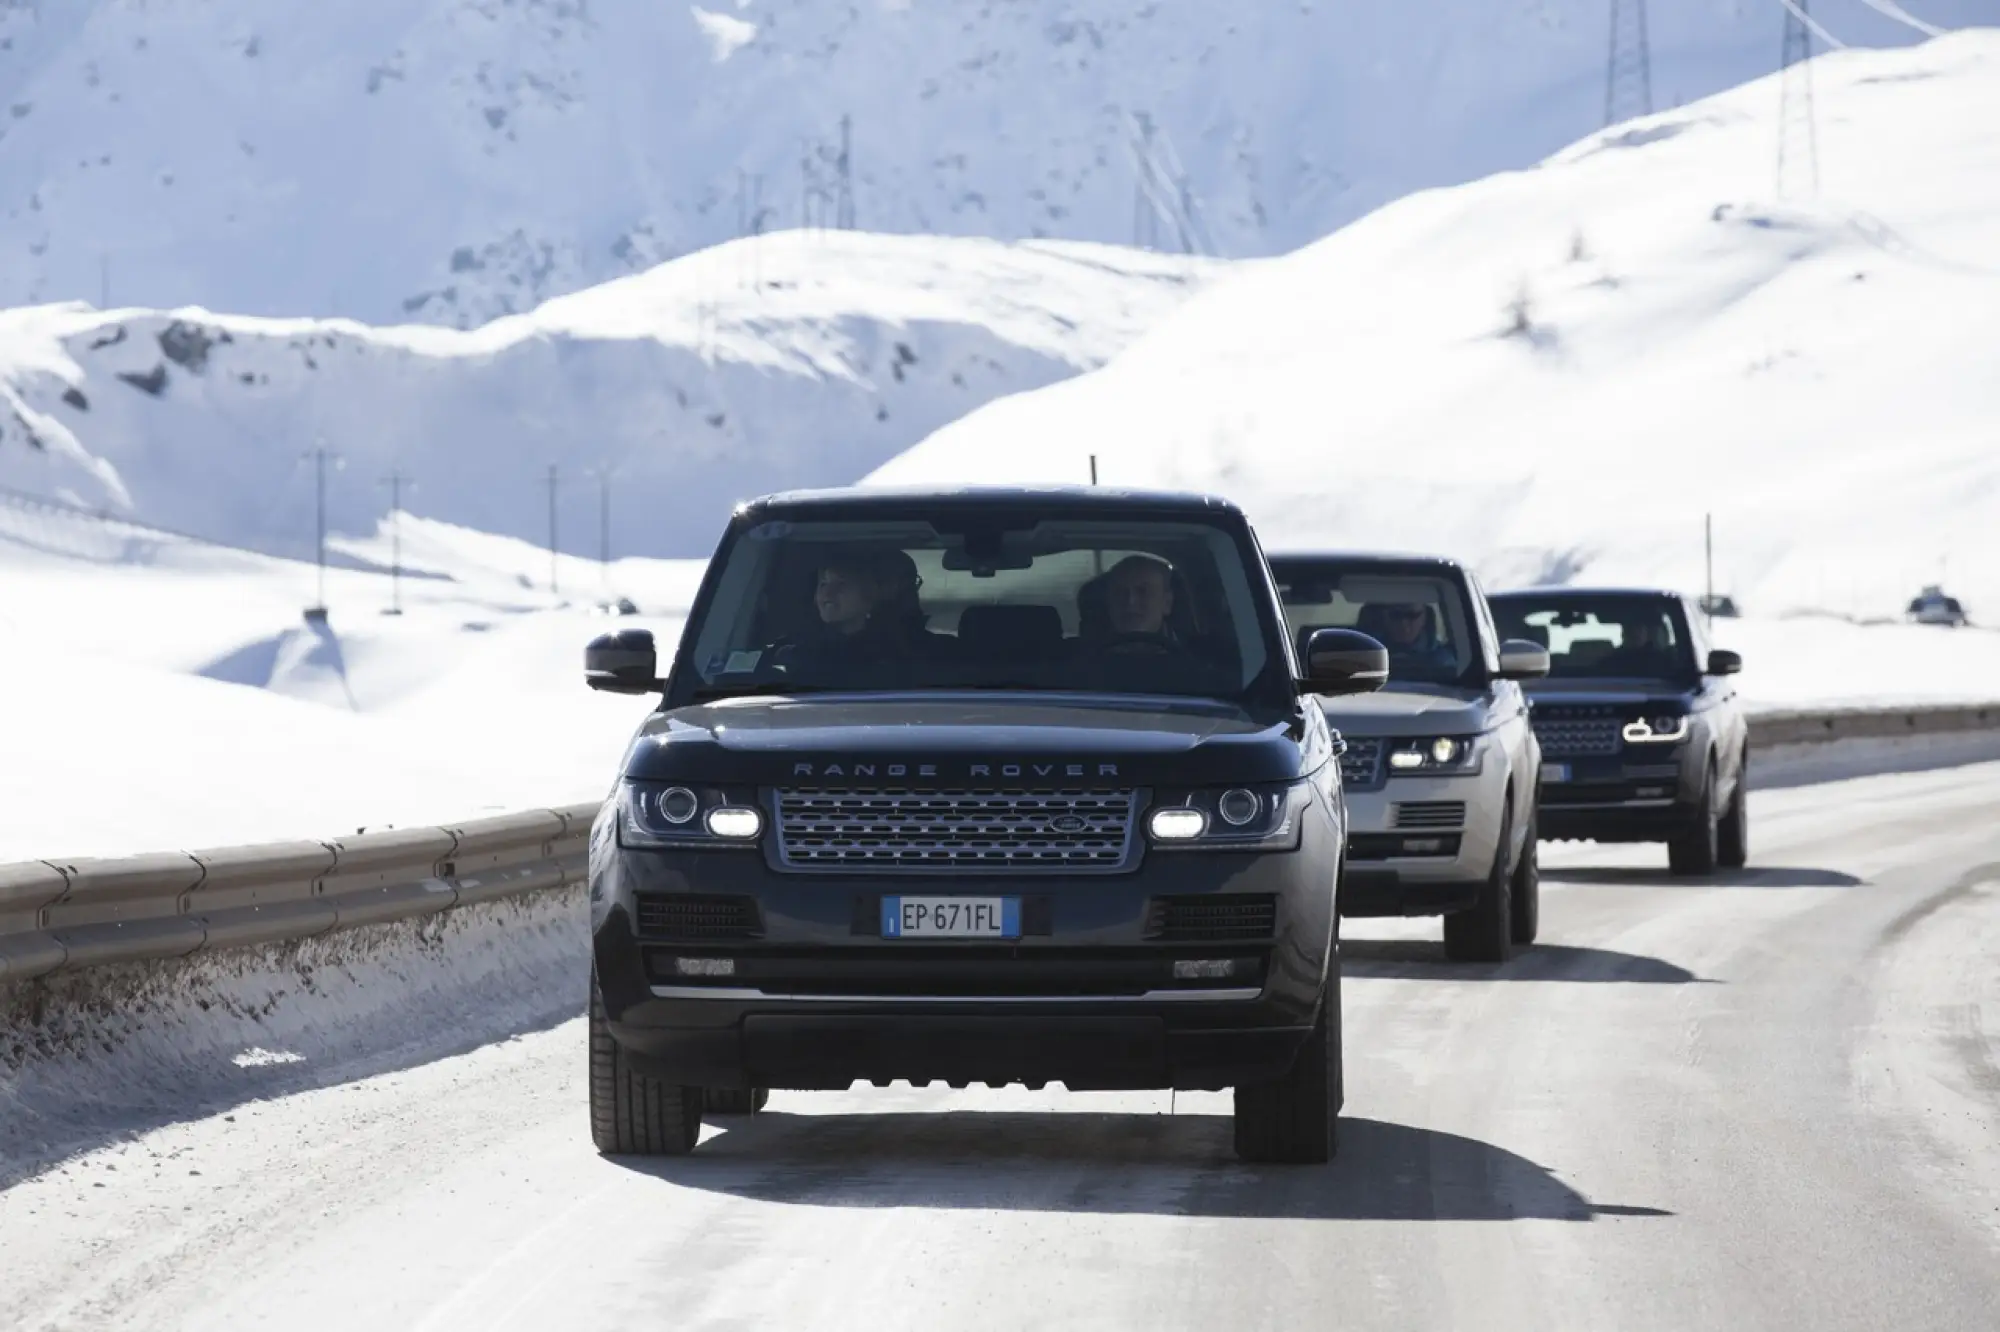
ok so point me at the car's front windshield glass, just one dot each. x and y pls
(986, 599)
(1601, 638)
(1419, 615)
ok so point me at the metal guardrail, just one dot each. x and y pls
(1815, 726)
(63, 915)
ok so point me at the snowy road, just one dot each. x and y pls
(1770, 1102)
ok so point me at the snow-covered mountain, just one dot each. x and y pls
(1557, 373)
(783, 360)
(447, 161)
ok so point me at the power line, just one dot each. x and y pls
(1628, 67)
(1798, 128)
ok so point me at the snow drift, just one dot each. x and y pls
(1556, 373)
(448, 161)
(790, 359)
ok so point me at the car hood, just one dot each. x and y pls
(1411, 711)
(1036, 740)
(1549, 694)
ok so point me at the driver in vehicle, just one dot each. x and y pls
(1139, 598)
(1406, 630)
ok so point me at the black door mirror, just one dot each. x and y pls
(1341, 661)
(1724, 662)
(623, 662)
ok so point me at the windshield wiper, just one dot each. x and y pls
(763, 688)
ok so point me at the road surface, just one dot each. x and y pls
(1771, 1101)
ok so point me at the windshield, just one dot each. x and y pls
(1421, 617)
(1598, 638)
(996, 600)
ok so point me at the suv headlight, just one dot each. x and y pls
(1435, 756)
(1229, 818)
(1660, 729)
(662, 814)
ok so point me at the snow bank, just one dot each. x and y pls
(1555, 373)
(793, 358)
(99, 1056)
(454, 160)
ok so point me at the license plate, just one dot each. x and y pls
(951, 918)
(1555, 772)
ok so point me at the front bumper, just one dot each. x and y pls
(817, 998)
(1629, 798)
(1422, 846)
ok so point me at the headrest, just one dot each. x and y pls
(1011, 631)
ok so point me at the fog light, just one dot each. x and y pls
(735, 822)
(705, 966)
(1422, 846)
(1177, 824)
(1205, 968)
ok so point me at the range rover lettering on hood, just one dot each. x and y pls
(969, 770)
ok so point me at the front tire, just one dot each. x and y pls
(1696, 850)
(630, 1113)
(1733, 837)
(1484, 932)
(1295, 1120)
(1527, 887)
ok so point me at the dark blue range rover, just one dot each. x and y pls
(1643, 737)
(975, 786)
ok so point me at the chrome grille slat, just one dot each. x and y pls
(986, 829)
(1578, 732)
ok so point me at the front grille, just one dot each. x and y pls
(1212, 918)
(688, 917)
(1578, 731)
(1431, 814)
(987, 831)
(1361, 765)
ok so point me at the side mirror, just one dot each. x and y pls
(623, 662)
(1724, 662)
(1341, 661)
(1523, 660)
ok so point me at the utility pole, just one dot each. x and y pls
(1628, 68)
(553, 482)
(603, 475)
(844, 206)
(1708, 558)
(318, 453)
(1093, 469)
(1796, 118)
(396, 480)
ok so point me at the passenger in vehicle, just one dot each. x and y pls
(869, 616)
(1642, 651)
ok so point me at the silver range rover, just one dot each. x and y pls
(1441, 767)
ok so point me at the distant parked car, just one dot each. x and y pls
(1721, 606)
(1932, 606)
(1643, 737)
(1441, 767)
(622, 606)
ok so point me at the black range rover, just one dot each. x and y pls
(974, 786)
(1643, 737)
